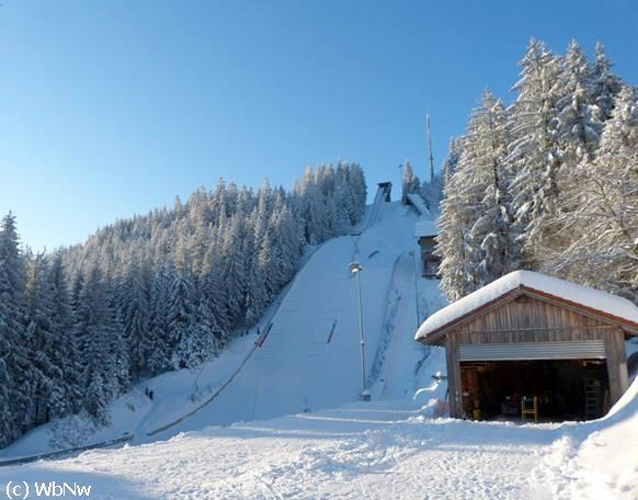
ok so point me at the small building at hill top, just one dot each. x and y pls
(530, 337)
(426, 233)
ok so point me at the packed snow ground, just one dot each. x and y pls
(318, 443)
(378, 450)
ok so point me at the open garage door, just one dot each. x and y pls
(567, 379)
(527, 351)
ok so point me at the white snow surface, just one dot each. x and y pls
(291, 424)
(418, 203)
(381, 450)
(424, 228)
(595, 299)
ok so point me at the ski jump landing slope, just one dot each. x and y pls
(310, 359)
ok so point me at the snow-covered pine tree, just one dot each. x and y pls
(13, 349)
(65, 354)
(483, 189)
(603, 220)
(182, 320)
(8, 428)
(286, 253)
(454, 224)
(606, 85)
(234, 265)
(411, 182)
(135, 313)
(535, 154)
(91, 324)
(47, 384)
(359, 191)
(454, 154)
(159, 357)
(577, 122)
(257, 294)
(104, 338)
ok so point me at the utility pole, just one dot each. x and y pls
(401, 184)
(429, 138)
(356, 268)
(416, 287)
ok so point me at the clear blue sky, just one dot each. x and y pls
(111, 108)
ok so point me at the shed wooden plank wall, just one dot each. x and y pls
(530, 319)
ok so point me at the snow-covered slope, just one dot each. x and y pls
(596, 460)
(310, 357)
(298, 430)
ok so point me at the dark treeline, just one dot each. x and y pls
(549, 183)
(153, 293)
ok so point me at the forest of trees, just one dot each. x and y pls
(549, 183)
(153, 293)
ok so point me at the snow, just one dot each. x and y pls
(383, 449)
(291, 424)
(594, 299)
(597, 460)
(424, 228)
(419, 204)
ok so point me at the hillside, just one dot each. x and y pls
(290, 423)
(310, 357)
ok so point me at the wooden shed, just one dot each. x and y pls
(528, 336)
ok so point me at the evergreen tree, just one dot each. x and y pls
(182, 319)
(14, 351)
(606, 85)
(65, 354)
(47, 384)
(411, 182)
(154, 292)
(603, 209)
(535, 154)
(91, 324)
(484, 190)
(135, 313)
(158, 357)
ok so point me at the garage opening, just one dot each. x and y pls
(569, 389)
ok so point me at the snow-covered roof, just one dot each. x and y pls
(603, 302)
(425, 228)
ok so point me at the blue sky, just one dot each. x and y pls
(111, 108)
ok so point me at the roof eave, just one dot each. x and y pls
(437, 336)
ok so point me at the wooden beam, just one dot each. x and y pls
(549, 329)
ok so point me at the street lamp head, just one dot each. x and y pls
(355, 267)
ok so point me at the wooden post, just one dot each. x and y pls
(454, 377)
(616, 364)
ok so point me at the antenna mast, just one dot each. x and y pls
(429, 134)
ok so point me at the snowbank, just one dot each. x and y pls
(594, 299)
(603, 463)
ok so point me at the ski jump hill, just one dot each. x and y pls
(306, 356)
(279, 413)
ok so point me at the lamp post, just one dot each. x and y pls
(356, 268)
(401, 183)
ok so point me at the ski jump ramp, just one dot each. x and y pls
(310, 359)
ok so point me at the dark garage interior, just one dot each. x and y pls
(564, 389)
